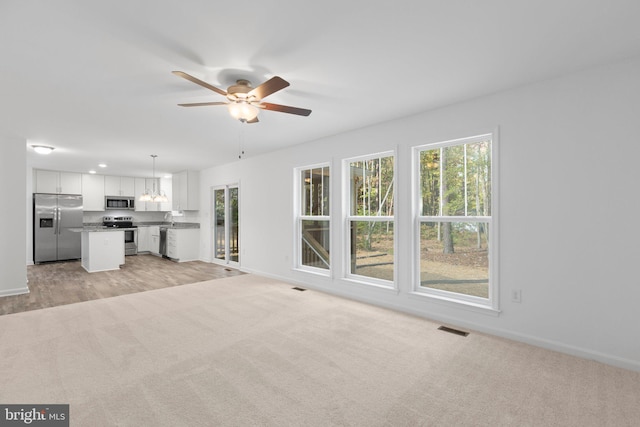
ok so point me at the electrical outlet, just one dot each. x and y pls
(516, 295)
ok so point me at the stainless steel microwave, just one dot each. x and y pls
(122, 203)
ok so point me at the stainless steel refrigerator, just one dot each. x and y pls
(53, 216)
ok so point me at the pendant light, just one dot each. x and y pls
(153, 195)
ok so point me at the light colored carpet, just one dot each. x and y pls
(250, 351)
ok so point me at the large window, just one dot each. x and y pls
(313, 225)
(370, 219)
(454, 219)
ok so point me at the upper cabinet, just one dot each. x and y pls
(166, 186)
(186, 191)
(92, 192)
(94, 188)
(119, 186)
(57, 182)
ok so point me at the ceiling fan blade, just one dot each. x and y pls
(202, 104)
(272, 85)
(285, 109)
(199, 82)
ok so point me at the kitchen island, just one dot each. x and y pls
(102, 248)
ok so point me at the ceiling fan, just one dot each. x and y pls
(245, 101)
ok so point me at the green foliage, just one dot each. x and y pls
(372, 192)
(456, 180)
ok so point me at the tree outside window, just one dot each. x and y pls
(371, 219)
(454, 220)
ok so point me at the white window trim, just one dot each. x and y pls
(298, 218)
(346, 203)
(490, 304)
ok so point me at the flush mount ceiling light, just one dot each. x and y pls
(42, 149)
(153, 195)
(245, 101)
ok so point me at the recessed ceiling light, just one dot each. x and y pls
(102, 165)
(92, 171)
(42, 149)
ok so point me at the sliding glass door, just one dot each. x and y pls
(226, 238)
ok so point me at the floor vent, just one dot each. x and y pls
(453, 331)
(299, 289)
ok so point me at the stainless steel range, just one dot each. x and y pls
(130, 231)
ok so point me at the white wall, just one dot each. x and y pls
(568, 199)
(13, 210)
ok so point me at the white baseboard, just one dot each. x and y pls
(15, 291)
(584, 353)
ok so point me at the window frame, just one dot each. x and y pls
(491, 303)
(300, 218)
(348, 218)
(226, 188)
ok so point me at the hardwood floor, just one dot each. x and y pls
(63, 283)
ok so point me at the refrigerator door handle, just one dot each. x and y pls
(57, 215)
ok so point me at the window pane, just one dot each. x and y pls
(315, 191)
(479, 178)
(454, 257)
(315, 244)
(456, 180)
(372, 249)
(430, 182)
(220, 212)
(372, 187)
(234, 225)
(452, 162)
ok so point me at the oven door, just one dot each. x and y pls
(130, 242)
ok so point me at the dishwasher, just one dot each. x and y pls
(163, 241)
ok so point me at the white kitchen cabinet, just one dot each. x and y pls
(143, 239)
(183, 244)
(186, 191)
(119, 186)
(56, 182)
(92, 192)
(154, 239)
(102, 250)
(139, 188)
(149, 239)
(166, 187)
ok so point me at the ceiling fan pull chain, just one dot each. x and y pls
(241, 141)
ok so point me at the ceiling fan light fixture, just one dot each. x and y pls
(243, 110)
(246, 100)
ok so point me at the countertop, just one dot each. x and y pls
(169, 224)
(100, 227)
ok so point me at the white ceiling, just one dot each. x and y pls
(93, 78)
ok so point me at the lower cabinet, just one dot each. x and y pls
(143, 239)
(149, 239)
(183, 244)
(154, 239)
